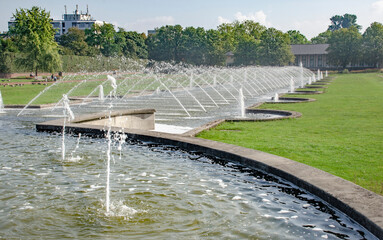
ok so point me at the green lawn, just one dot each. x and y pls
(341, 133)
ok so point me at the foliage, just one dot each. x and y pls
(73, 42)
(132, 44)
(34, 37)
(373, 44)
(166, 44)
(297, 38)
(247, 52)
(102, 36)
(274, 48)
(321, 38)
(233, 33)
(345, 47)
(340, 133)
(345, 21)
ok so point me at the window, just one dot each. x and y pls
(320, 61)
(63, 25)
(312, 62)
(304, 61)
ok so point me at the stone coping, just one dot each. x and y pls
(315, 86)
(305, 92)
(291, 100)
(104, 115)
(362, 205)
(42, 106)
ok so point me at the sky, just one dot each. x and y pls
(310, 17)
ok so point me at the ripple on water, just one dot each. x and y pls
(156, 192)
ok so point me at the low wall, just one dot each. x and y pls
(133, 119)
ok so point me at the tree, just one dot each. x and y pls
(132, 44)
(345, 47)
(274, 48)
(234, 32)
(7, 53)
(373, 44)
(246, 52)
(194, 45)
(102, 36)
(321, 38)
(166, 44)
(74, 42)
(297, 38)
(34, 37)
(345, 21)
(215, 52)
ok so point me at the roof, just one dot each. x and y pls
(309, 49)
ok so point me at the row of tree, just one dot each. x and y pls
(250, 43)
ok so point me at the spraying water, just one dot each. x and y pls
(291, 84)
(242, 103)
(114, 85)
(101, 93)
(107, 192)
(67, 114)
(276, 97)
(1, 104)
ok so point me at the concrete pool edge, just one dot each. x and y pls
(363, 206)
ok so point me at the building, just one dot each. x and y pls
(312, 56)
(77, 19)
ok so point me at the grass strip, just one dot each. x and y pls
(341, 133)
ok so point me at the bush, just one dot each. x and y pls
(345, 71)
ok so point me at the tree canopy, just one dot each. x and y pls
(34, 37)
(275, 48)
(345, 21)
(297, 38)
(373, 44)
(345, 47)
(321, 38)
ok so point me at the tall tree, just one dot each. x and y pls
(373, 44)
(166, 44)
(345, 47)
(247, 51)
(345, 21)
(74, 42)
(321, 38)
(274, 48)
(34, 37)
(297, 38)
(102, 36)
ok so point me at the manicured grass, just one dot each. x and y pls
(341, 133)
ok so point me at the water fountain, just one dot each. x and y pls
(101, 93)
(241, 103)
(154, 191)
(292, 88)
(1, 104)
(276, 97)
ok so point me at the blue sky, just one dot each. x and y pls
(308, 16)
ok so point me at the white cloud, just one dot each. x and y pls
(377, 7)
(145, 24)
(259, 16)
(222, 20)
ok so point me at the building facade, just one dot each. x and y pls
(312, 56)
(76, 19)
